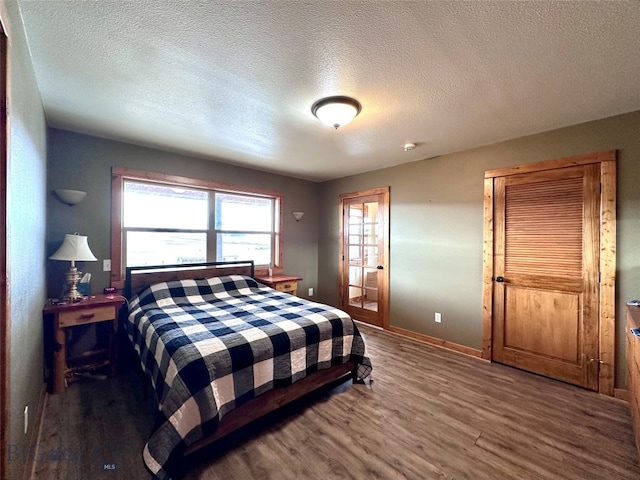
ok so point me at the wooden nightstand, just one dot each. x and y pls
(281, 283)
(59, 318)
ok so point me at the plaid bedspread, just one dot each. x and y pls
(213, 344)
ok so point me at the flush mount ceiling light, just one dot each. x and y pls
(336, 111)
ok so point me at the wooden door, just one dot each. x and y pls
(546, 268)
(364, 255)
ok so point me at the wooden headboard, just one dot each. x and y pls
(139, 278)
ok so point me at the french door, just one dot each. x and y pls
(364, 255)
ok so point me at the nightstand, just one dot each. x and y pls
(281, 283)
(59, 318)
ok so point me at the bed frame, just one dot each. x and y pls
(138, 278)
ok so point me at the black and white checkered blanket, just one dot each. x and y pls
(213, 344)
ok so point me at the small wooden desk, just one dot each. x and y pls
(281, 283)
(94, 309)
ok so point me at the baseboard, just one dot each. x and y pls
(34, 435)
(438, 342)
(621, 393)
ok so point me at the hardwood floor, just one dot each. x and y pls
(428, 414)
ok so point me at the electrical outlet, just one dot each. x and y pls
(26, 419)
(311, 292)
(438, 317)
(106, 265)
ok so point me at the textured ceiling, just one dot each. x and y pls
(235, 81)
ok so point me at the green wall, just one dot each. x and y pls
(26, 180)
(83, 162)
(436, 225)
(436, 218)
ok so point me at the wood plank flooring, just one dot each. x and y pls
(428, 414)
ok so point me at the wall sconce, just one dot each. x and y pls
(297, 215)
(75, 248)
(70, 197)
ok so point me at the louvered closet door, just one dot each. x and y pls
(545, 273)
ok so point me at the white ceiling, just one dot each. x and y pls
(235, 81)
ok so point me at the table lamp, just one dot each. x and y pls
(74, 248)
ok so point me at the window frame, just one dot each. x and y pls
(120, 175)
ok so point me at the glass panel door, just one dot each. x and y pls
(363, 257)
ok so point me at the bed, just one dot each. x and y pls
(222, 350)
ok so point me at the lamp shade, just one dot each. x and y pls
(336, 111)
(74, 248)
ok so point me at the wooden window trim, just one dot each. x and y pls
(607, 319)
(118, 177)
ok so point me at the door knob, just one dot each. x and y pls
(499, 279)
(380, 267)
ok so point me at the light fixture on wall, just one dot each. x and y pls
(336, 111)
(70, 197)
(74, 248)
(297, 215)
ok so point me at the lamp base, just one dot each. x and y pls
(72, 278)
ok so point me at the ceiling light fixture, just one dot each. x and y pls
(409, 146)
(336, 111)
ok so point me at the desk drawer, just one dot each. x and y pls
(86, 315)
(286, 286)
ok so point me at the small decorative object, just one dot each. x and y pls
(297, 215)
(84, 285)
(75, 248)
(70, 197)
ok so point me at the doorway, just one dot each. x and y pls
(364, 255)
(550, 269)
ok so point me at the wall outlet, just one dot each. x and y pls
(106, 265)
(26, 419)
(438, 317)
(311, 292)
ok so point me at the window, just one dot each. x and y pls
(244, 228)
(163, 224)
(163, 220)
